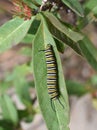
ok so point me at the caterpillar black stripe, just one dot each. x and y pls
(52, 73)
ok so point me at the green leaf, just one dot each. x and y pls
(26, 51)
(4, 86)
(32, 31)
(6, 125)
(87, 20)
(74, 36)
(26, 115)
(34, 27)
(89, 51)
(94, 80)
(18, 79)
(39, 1)
(12, 32)
(1, 128)
(95, 12)
(64, 34)
(75, 88)
(59, 117)
(60, 45)
(75, 6)
(28, 38)
(90, 14)
(31, 3)
(89, 6)
(21, 84)
(8, 109)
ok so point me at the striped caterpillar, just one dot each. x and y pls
(52, 74)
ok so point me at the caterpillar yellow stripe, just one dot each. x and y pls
(52, 74)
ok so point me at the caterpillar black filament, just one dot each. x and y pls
(52, 73)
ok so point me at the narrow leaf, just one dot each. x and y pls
(89, 51)
(12, 32)
(39, 1)
(75, 88)
(59, 117)
(87, 20)
(21, 84)
(89, 6)
(31, 3)
(64, 34)
(8, 109)
(60, 45)
(74, 36)
(90, 14)
(75, 6)
(28, 38)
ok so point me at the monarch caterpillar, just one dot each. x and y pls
(52, 73)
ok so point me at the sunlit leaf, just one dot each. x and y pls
(12, 32)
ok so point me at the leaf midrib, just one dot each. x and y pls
(13, 32)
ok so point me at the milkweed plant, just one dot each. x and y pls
(39, 23)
